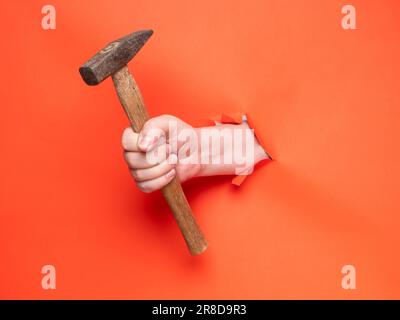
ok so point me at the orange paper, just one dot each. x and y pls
(324, 101)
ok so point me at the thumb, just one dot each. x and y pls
(155, 131)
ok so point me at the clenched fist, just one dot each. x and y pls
(152, 155)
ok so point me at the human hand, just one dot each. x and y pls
(152, 154)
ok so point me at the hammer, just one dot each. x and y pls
(113, 60)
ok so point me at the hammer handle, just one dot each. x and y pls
(132, 102)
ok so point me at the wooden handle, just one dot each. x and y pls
(132, 101)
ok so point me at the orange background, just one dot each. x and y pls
(325, 101)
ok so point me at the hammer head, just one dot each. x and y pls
(113, 57)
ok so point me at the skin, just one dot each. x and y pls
(157, 137)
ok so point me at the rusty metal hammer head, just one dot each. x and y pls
(113, 57)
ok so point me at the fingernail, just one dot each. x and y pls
(171, 173)
(161, 140)
(173, 159)
(145, 143)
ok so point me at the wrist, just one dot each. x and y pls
(201, 152)
(212, 158)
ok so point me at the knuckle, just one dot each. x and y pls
(135, 175)
(148, 124)
(129, 159)
(138, 174)
(144, 187)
